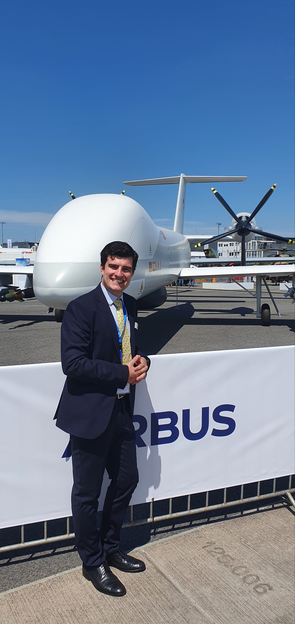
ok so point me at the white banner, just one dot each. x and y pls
(204, 421)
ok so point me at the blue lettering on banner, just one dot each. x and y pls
(186, 424)
(170, 426)
(142, 421)
(223, 420)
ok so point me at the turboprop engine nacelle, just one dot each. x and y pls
(236, 236)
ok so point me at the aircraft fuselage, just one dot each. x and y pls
(79, 231)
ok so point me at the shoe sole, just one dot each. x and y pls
(113, 565)
(103, 591)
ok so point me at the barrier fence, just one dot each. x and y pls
(274, 492)
(207, 425)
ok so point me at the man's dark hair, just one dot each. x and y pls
(118, 249)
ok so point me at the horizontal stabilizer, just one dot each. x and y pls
(190, 179)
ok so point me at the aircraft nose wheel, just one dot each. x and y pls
(265, 314)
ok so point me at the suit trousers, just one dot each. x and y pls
(115, 452)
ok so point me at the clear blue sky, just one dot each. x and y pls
(94, 93)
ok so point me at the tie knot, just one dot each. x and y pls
(118, 304)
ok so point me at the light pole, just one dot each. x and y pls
(2, 223)
(218, 224)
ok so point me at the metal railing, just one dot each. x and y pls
(227, 495)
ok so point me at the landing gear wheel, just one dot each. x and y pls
(265, 314)
(59, 314)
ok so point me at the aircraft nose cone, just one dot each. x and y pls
(68, 258)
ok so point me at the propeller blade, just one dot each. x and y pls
(261, 203)
(225, 205)
(290, 241)
(218, 237)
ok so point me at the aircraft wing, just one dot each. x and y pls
(197, 238)
(13, 269)
(229, 261)
(237, 271)
(13, 288)
(7, 271)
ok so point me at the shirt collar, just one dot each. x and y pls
(109, 297)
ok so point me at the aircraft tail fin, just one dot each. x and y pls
(182, 180)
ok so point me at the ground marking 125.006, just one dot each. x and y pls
(238, 570)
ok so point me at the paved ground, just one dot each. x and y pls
(189, 589)
(239, 571)
(192, 320)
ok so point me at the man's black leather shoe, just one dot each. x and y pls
(104, 580)
(125, 562)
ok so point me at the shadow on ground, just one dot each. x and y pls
(24, 320)
(159, 327)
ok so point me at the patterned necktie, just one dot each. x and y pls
(125, 338)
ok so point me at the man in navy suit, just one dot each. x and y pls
(96, 409)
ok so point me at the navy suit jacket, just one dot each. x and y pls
(90, 358)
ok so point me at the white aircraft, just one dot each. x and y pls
(67, 262)
(84, 226)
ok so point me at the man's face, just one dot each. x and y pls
(116, 274)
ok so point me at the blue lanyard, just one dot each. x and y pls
(120, 334)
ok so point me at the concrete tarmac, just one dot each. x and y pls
(239, 571)
(181, 583)
(192, 319)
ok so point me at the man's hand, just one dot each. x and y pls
(137, 370)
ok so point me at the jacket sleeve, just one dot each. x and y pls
(76, 353)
